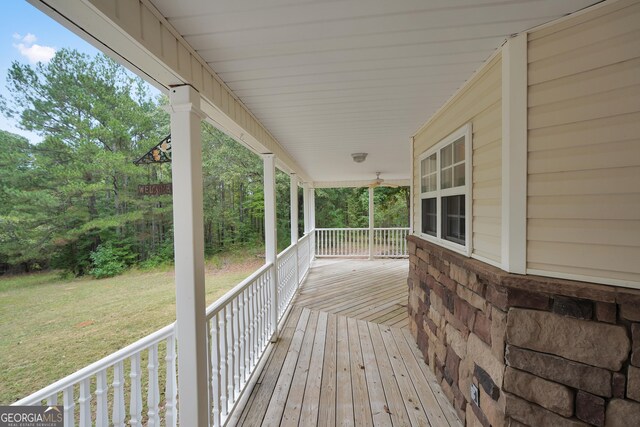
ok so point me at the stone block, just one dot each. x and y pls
(472, 419)
(476, 285)
(477, 412)
(482, 327)
(606, 312)
(622, 413)
(497, 295)
(618, 385)
(590, 408)
(574, 307)
(448, 283)
(456, 341)
(449, 300)
(527, 299)
(635, 344)
(593, 343)
(498, 332)
(493, 410)
(422, 254)
(554, 368)
(465, 312)
(534, 415)
(451, 364)
(485, 381)
(459, 274)
(471, 297)
(480, 354)
(630, 312)
(552, 396)
(633, 383)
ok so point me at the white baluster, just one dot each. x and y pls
(214, 368)
(171, 388)
(85, 403)
(223, 360)
(236, 347)
(52, 400)
(118, 395)
(230, 354)
(153, 392)
(241, 337)
(102, 404)
(69, 407)
(247, 332)
(252, 324)
(135, 398)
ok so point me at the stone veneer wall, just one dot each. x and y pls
(542, 351)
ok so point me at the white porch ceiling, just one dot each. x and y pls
(332, 77)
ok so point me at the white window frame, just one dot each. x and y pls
(466, 190)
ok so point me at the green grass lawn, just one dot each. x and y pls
(50, 327)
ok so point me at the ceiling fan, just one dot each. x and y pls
(379, 182)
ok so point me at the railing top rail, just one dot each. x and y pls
(306, 236)
(214, 308)
(98, 366)
(375, 228)
(286, 251)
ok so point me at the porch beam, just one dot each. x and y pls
(270, 235)
(186, 166)
(514, 154)
(371, 219)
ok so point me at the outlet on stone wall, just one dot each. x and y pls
(475, 394)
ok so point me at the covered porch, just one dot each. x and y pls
(346, 357)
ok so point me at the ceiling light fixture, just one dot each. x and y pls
(359, 157)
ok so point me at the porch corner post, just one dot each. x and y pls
(294, 208)
(371, 207)
(305, 204)
(293, 195)
(312, 225)
(270, 235)
(186, 166)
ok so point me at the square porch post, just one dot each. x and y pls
(186, 166)
(305, 209)
(294, 208)
(371, 222)
(270, 236)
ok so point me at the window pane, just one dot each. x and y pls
(453, 219)
(458, 175)
(458, 150)
(424, 184)
(446, 178)
(433, 166)
(446, 157)
(429, 216)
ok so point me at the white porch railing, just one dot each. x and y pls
(119, 379)
(354, 242)
(109, 391)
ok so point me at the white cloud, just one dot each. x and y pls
(34, 52)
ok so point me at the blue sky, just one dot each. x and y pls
(28, 35)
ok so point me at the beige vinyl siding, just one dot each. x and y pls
(583, 216)
(479, 102)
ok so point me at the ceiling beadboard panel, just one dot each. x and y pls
(332, 77)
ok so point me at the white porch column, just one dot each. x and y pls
(514, 154)
(371, 222)
(270, 235)
(186, 166)
(312, 209)
(305, 204)
(294, 208)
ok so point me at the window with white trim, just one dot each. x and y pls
(445, 191)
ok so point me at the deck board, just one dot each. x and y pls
(342, 359)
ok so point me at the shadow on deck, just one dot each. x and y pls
(344, 358)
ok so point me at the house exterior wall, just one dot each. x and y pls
(559, 345)
(479, 103)
(584, 146)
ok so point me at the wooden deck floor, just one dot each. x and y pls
(375, 291)
(331, 367)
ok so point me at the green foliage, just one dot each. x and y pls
(71, 202)
(107, 261)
